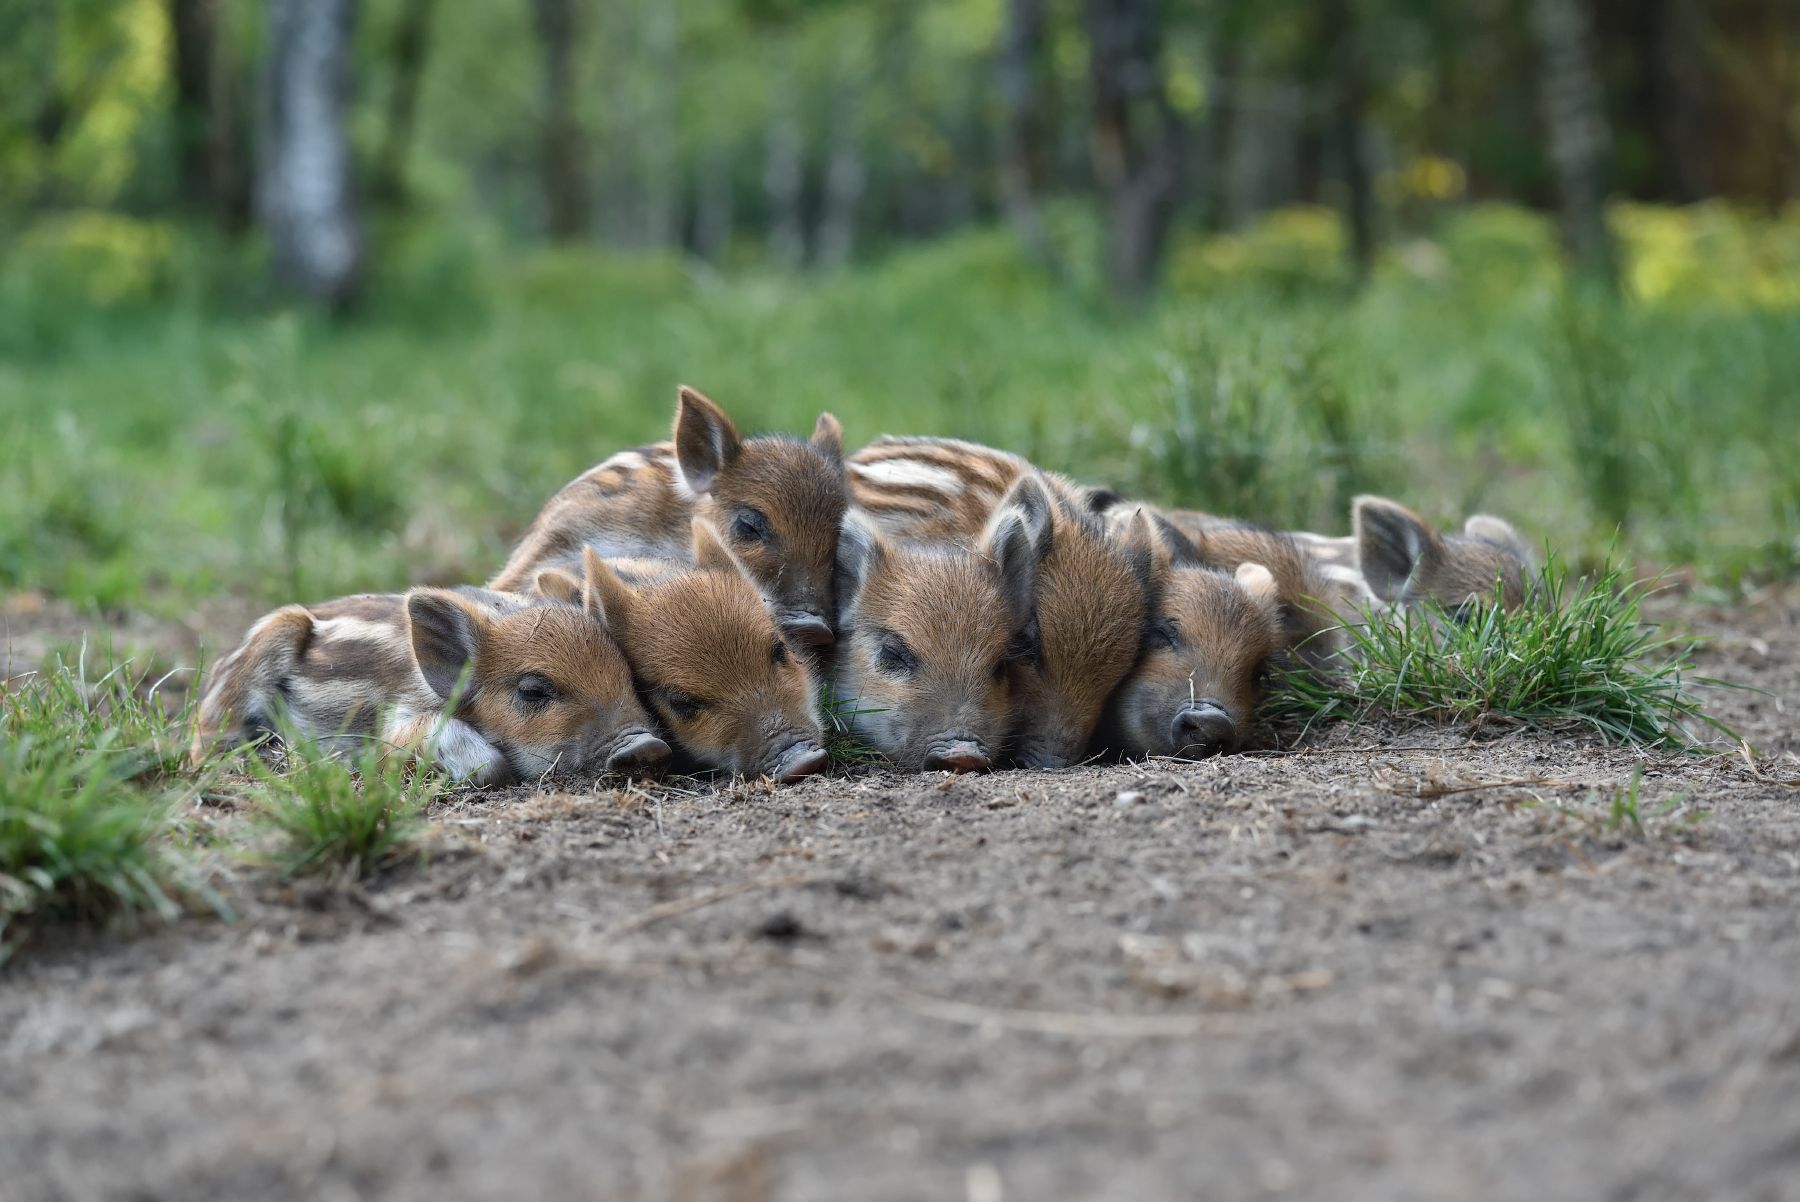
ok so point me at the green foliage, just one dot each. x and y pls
(1578, 656)
(1258, 425)
(155, 455)
(88, 792)
(842, 744)
(323, 817)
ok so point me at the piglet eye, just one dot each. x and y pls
(749, 527)
(1162, 635)
(534, 691)
(778, 653)
(683, 706)
(895, 658)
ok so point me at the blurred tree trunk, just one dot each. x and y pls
(714, 207)
(208, 148)
(1225, 61)
(412, 37)
(1136, 140)
(559, 146)
(1025, 155)
(784, 167)
(661, 125)
(1350, 105)
(1578, 137)
(307, 196)
(845, 178)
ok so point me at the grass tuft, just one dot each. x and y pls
(324, 817)
(88, 794)
(1579, 656)
(842, 743)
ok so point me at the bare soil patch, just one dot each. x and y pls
(1400, 963)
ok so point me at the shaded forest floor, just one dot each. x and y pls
(1399, 963)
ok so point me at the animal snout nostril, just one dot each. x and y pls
(965, 755)
(1202, 728)
(801, 760)
(640, 755)
(807, 629)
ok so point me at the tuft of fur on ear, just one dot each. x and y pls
(711, 554)
(1500, 532)
(1391, 541)
(705, 440)
(558, 585)
(446, 631)
(828, 437)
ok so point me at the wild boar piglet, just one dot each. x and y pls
(711, 662)
(932, 636)
(494, 687)
(775, 501)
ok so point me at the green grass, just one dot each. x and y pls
(89, 794)
(841, 742)
(1579, 657)
(321, 817)
(175, 448)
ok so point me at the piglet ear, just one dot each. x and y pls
(705, 440)
(1028, 500)
(558, 585)
(1500, 532)
(1257, 581)
(1017, 539)
(710, 553)
(447, 632)
(604, 594)
(828, 437)
(1391, 543)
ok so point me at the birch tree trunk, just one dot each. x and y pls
(306, 196)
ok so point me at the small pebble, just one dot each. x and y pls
(1127, 799)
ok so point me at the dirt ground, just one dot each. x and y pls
(1397, 964)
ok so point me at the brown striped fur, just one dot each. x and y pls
(711, 662)
(1194, 691)
(1093, 585)
(932, 634)
(543, 690)
(776, 502)
(1406, 560)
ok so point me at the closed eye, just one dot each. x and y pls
(778, 653)
(1162, 635)
(749, 526)
(894, 657)
(534, 691)
(683, 706)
